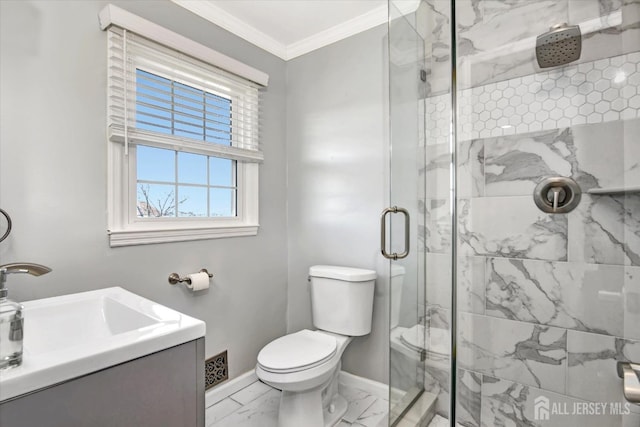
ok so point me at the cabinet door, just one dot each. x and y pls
(161, 389)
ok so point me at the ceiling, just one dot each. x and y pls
(290, 28)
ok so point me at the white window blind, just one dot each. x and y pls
(165, 99)
(184, 131)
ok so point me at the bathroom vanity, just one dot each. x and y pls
(122, 361)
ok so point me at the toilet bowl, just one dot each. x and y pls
(305, 365)
(429, 345)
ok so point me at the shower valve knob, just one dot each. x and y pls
(557, 195)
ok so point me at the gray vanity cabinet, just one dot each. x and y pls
(163, 389)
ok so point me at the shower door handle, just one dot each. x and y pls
(383, 233)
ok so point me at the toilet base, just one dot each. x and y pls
(339, 409)
(319, 407)
(305, 409)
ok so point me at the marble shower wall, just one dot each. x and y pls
(591, 92)
(547, 303)
(496, 38)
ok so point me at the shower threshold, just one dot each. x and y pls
(416, 409)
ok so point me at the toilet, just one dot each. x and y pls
(305, 364)
(396, 284)
(429, 345)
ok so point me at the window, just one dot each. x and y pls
(183, 143)
(179, 184)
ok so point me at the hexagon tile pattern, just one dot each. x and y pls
(593, 92)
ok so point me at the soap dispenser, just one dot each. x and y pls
(12, 315)
(11, 332)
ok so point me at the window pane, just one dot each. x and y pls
(173, 108)
(192, 201)
(222, 172)
(222, 202)
(218, 112)
(153, 102)
(153, 119)
(155, 200)
(189, 115)
(155, 164)
(192, 169)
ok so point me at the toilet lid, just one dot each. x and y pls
(414, 337)
(294, 352)
(434, 340)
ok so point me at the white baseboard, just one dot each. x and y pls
(225, 390)
(375, 388)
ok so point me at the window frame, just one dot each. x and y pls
(125, 228)
(133, 190)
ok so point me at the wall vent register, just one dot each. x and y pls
(216, 370)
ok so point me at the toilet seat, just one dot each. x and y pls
(297, 352)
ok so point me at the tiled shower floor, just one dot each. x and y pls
(257, 406)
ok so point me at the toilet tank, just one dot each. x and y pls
(397, 282)
(342, 299)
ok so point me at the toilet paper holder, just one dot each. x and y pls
(175, 278)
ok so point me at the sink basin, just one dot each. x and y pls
(73, 335)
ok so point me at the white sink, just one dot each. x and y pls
(73, 335)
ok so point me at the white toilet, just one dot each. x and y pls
(305, 365)
(418, 341)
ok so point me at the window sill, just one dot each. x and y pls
(146, 237)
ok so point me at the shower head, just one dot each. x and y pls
(560, 45)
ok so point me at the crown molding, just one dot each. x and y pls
(224, 19)
(209, 11)
(338, 32)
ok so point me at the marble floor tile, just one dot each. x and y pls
(215, 413)
(374, 413)
(250, 393)
(262, 403)
(357, 407)
(262, 412)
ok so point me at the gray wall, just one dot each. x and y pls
(337, 178)
(53, 178)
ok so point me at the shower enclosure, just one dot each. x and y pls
(519, 297)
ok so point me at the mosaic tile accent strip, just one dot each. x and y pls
(593, 92)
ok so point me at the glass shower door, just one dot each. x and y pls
(546, 301)
(406, 163)
(419, 168)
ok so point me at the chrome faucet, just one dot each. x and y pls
(19, 267)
